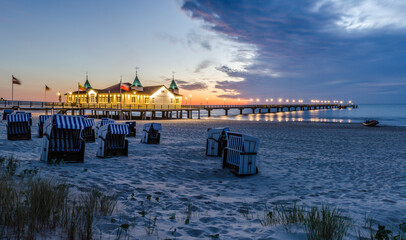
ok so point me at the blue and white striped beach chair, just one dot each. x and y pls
(18, 126)
(112, 141)
(42, 119)
(216, 141)
(241, 154)
(150, 133)
(101, 123)
(63, 139)
(88, 132)
(7, 112)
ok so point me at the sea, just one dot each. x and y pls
(389, 115)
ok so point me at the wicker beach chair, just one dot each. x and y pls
(18, 126)
(42, 119)
(112, 140)
(63, 139)
(7, 112)
(216, 141)
(241, 154)
(88, 132)
(132, 128)
(150, 133)
(100, 124)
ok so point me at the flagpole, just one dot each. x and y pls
(121, 78)
(12, 88)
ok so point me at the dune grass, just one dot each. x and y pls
(31, 206)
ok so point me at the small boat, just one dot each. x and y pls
(370, 123)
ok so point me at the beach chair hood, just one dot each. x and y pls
(215, 133)
(89, 122)
(113, 128)
(21, 117)
(64, 122)
(43, 118)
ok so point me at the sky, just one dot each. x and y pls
(219, 50)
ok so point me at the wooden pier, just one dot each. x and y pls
(140, 111)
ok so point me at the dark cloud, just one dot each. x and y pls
(203, 65)
(303, 52)
(189, 85)
(194, 86)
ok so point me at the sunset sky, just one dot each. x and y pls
(325, 49)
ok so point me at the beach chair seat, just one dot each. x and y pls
(18, 127)
(240, 155)
(132, 128)
(42, 119)
(216, 141)
(112, 140)
(151, 134)
(63, 139)
(100, 124)
(7, 112)
(89, 132)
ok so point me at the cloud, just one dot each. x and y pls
(194, 86)
(203, 65)
(307, 48)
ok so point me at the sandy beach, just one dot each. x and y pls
(360, 170)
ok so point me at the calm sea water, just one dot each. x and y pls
(392, 115)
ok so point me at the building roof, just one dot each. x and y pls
(149, 90)
(173, 85)
(87, 84)
(136, 82)
(115, 88)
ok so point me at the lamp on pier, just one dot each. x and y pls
(207, 101)
(239, 101)
(224, 101)
(59, 96)
(190, 99)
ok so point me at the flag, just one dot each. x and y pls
(81, 87)
(16, 81)
(124, 87)
(47, 88)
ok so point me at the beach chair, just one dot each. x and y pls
(150, 133)
(88, 132)
(42, 119)
(18, 126)
(132, 128)
(112, 140)
(100, 124)
(7, 112)
(63, 139)
(216, 141)
(241, 154)
(30, 120)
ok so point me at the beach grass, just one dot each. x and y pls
(32, 206)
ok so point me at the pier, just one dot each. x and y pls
(149, 111)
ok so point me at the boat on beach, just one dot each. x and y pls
(370, 123)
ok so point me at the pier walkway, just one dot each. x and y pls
(149, 111)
